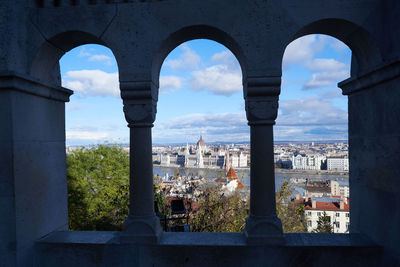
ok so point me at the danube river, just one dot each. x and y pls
(244, 175)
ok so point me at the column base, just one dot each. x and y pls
(264, 230)
(141, 230)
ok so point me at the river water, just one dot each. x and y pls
(244, 176)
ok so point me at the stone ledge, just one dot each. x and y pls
(29, 85)
(81, 237)
(381, 74)
(205, 249)
(50, 3)
(207, 239)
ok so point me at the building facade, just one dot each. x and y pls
(307, 162)
(338, 212)
(337, 164)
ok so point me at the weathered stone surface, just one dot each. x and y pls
(35, 34)
(205, 249)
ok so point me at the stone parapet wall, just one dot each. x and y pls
(206, 249)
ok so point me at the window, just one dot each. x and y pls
(348, 215)
(92, 71)
(309, 213)
(309, 223)
(191, 83)
(337, 224)
(323, 97)
(347, 226)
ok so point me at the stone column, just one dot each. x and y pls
(262, 226)
(142, 225)
(33, 184)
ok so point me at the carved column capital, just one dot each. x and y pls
(262, 111)
(140, 113)
(262, 95)
(140, 102)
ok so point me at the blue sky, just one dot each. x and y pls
(201, 93)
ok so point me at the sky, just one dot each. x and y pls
(201, 93)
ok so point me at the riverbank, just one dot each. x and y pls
(247, 169)
(317, 172)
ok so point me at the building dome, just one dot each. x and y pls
(201, 143)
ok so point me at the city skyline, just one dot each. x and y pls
(201, 93)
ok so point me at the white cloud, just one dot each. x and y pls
(325, 64)
(188, 59)
(92, 82)
(214, 127)
(84, 128)
(309, 133)
(310, 118)
(228, 59)
(99, 58)
(218, 79)
(222, 57)
(304, 119)
(310, 111)
(225, 78)
(323, 79)
(200, 120)
(338, 46)
(332, 93)
(85, 135)
(83, 52)
(301, 50)
(170, 83)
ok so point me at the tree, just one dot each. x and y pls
(324, 224)
(98, 188)
(98, 197)
(160, 199)
(219, 213)
(291, 213)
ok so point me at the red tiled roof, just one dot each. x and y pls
(231, 174)
(335, 206)
(320, 205)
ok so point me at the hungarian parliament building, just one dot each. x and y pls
(200, 156)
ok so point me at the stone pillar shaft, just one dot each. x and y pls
(262, 175)
(262, 226)
(142, 225)
(141, 172)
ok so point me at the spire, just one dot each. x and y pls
(227, 162)
(232, 174)
(201, 143)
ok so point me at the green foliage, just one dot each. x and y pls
(290, 213)
(324, 224)
(98, 197)
(98, 188)
(160, 199)
(217, 213)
